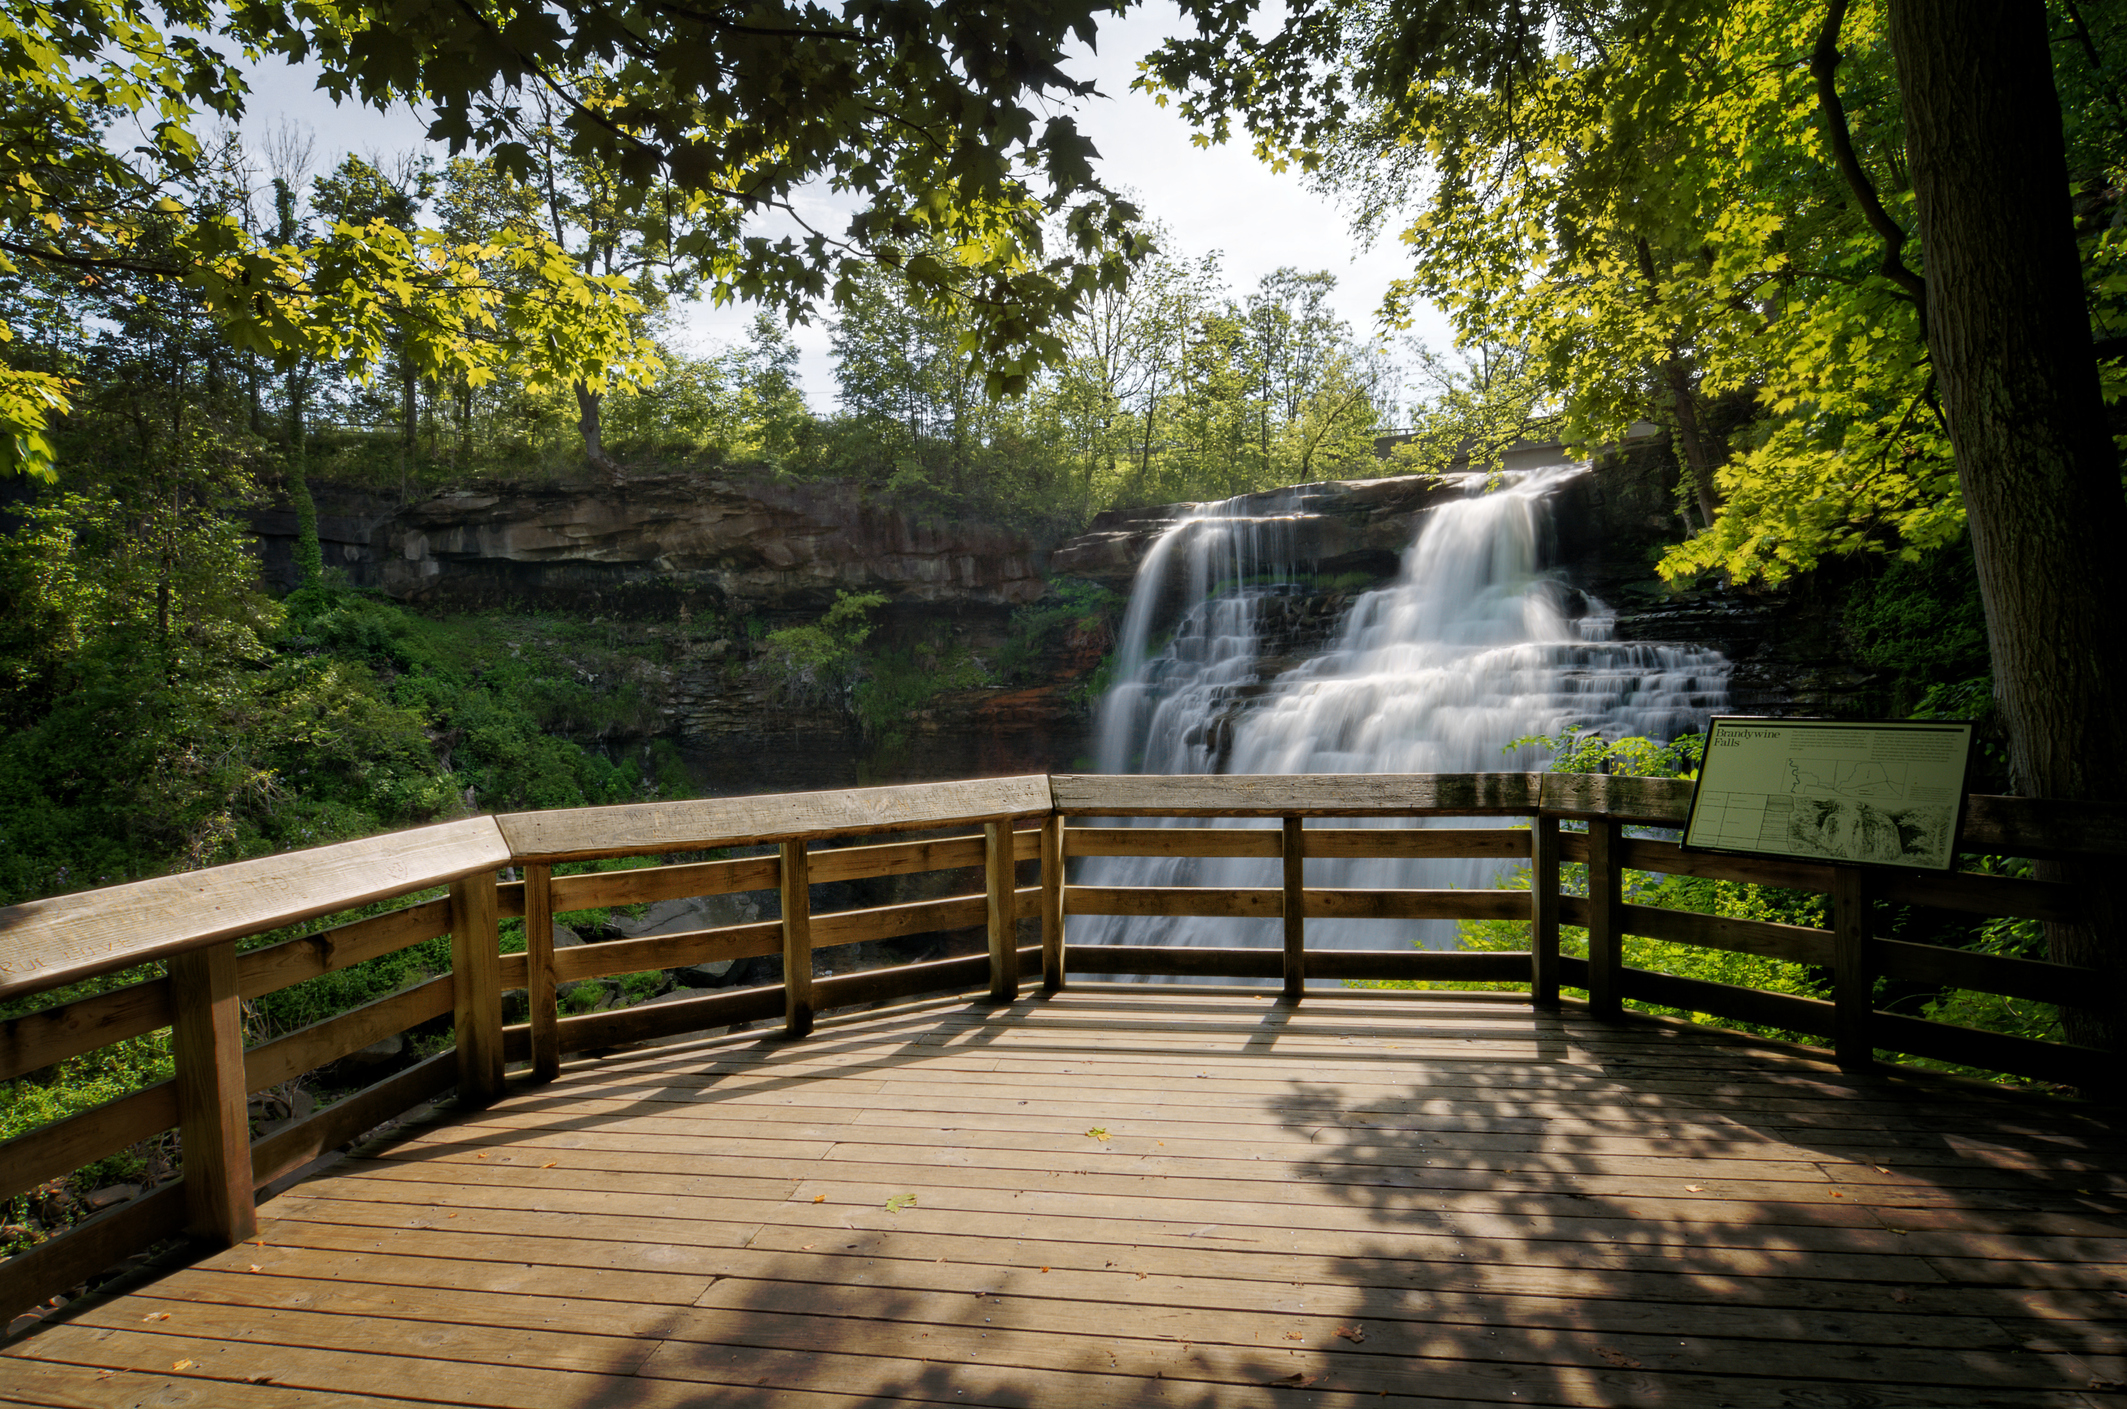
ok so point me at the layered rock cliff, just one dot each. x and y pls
(699, 567)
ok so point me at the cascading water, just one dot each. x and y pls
(1472, 646)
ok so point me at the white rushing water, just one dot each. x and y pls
(1472, 646)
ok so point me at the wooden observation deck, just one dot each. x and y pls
(966, 1187)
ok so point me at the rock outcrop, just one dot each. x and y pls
(681, 539)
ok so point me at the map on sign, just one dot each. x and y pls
(1884, 794)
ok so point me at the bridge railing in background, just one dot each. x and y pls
(1013, 826)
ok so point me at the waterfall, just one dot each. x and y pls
(1474, 644)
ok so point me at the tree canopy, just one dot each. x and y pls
(929, 115)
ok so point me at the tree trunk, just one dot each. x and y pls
(309, 553)
(588, 421)
(2009, 337)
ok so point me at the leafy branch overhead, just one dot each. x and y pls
(931, 116)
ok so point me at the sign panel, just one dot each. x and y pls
(1888, 794)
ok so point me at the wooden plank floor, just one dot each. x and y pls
(1125, 1196)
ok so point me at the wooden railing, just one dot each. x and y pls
(194, 922)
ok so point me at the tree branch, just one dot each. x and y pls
(1824, 66)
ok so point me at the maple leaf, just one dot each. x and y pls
(1354, 1334)
(1097, 1133)
(819, 1198)
(182, 1365)
(899, 1202)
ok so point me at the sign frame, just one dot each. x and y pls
(1857, 818)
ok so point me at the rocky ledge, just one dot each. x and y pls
(652, 543)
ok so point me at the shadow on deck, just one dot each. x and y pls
(1125, 1196)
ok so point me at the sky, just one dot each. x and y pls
(1217, 199)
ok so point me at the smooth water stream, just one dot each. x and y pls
(1473, 645)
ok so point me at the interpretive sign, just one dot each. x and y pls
(1888, 794)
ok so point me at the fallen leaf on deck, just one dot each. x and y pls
(1623, 1362)
(1879, 1169)
(1901, 1295)
(899, 1202)
(256, 1268)
(1293, 1381)
(1096, 1133)
(1140, 1276)
(155, 1316)
(182, 1365)
(1694, 1188)
(1044, 1269)
(550, 1164)
(819, 1198)
(1354, 1334)
(479, 1156)
(1295, 1336)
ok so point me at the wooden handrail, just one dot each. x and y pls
(47, 943)
(194, 920)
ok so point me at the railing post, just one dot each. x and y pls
(796, 882)
(207, 1038)
(1295, 908)
(1606, 903)
(1853, 981)
(999, 875)
(1543, 918)
(539, 971)
(476, 987)
(1052, 916)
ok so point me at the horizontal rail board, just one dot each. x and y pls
(2043, 827)
(582, 833)
(1963, 891)
(46, 943)
(953, 912)
(1797, 944)
(1651, 802)
(1384, 843)
(1173, 959)
(1418, 904)
(1751, 1005)
(1298, 794)
(658, 951)
(89, 1247)
(764, 937)
(1174, 841)
(51, 1035)
(1429, 965)
(2063, 984)
(1227, 903)
(66, 1145)
(911, 980)
(1990, 1051)
(279, 966)
(293, 1146)
(654, 883)
(306, 1049)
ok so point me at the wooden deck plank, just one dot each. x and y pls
(1516, 1207)
(735, 1309)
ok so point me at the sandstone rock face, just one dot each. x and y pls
(672, 537)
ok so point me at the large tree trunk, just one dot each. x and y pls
(2010, 340)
